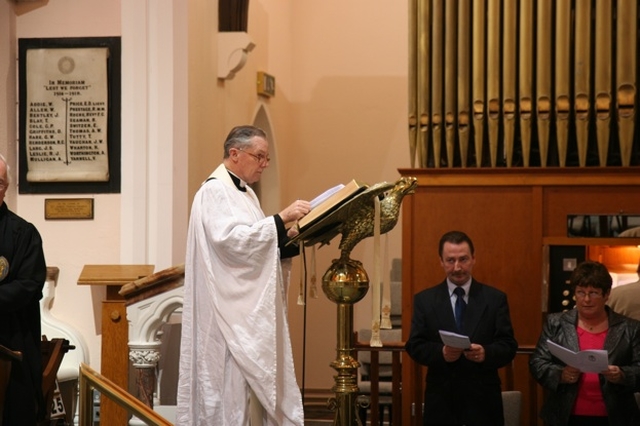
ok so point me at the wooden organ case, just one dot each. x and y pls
(514, 218)
(521, 114)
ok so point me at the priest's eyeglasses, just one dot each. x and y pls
(260, 158)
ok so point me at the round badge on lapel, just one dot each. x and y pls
(4, 268)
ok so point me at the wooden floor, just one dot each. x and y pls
(316, 412)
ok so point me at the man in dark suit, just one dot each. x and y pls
(462, 385)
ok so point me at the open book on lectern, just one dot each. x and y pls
(326, 220)
(318, 221)
(329, 201)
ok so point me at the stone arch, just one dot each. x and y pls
(268, 189)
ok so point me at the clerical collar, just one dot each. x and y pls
(239, 183)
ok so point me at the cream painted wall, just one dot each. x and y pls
(340, 112)
(7, 88)
(70, 245)
(349, 111)
(146, 222)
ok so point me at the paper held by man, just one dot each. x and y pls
(455, 340)
(587, 361)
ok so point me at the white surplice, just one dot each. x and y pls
(235, 333)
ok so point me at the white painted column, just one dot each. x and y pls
(145, 319)
(154, 132)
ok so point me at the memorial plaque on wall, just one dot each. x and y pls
(69, 115)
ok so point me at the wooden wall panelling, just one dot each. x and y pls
(561, 201)
(619, 259)
(512, 216)
(498, 221)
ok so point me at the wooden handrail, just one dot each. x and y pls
(90, 379)
(156, 283)
(526, 350)
(396, 349)
(8, 354)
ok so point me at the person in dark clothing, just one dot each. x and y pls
(22, 274)
(577, 395)
(462, 384)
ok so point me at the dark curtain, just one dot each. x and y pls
(233, 15)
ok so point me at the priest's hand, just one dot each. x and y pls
(293, 231)
(295, 211)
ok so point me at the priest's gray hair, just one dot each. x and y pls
(4, 160)
(240, 137)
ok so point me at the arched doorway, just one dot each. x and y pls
(268, 188)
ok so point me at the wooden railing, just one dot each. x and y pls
(90, 380)
(530, 394)
(396, 349)
(530, 407)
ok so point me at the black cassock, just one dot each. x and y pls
(23, 272)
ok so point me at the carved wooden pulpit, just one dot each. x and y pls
(115, 331)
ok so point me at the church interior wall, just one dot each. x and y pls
(349, 109)
(7, 79)
(340, 112)
(70, 245)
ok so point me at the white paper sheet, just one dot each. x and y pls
(455, 340)
(587, 361)
(326, 194)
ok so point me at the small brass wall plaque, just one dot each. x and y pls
(266, 84)
(68, 208)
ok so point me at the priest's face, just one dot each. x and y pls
(457, 262)
(253, 160)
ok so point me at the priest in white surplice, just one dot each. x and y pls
(235, 337)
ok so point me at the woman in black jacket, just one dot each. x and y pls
(583, 398)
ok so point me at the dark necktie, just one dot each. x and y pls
(461, 305)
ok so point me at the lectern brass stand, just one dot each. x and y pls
(346, 282)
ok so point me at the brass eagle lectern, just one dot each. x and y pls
(346, 281)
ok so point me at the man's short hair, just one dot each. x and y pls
(455, 237)
(240, 137)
